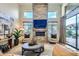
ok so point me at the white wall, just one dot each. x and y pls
(11, 10)
(51, 7)
(57, 8)
(63, 9)
(23, 8)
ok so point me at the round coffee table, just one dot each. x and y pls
(38, 48)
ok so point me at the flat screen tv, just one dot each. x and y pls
(39, 23)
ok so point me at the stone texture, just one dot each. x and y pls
(40, 10)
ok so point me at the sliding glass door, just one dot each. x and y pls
(78, 31)
(72, 27)
(71, 31)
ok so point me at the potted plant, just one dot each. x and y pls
(16, 35)
(32, 42)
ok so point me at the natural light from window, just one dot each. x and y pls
(28, 27)
(28, 14)
(51, 14)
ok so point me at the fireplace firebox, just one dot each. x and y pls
(40, 33)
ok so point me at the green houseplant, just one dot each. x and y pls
(16, 35)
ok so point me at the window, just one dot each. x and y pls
(71, 31)
(28, 14)
(78, 31)
(51, 14)
(52, 29)
(28, 27)
(72, 28)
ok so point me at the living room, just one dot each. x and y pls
(38, 29)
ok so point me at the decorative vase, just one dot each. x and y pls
(32, 42)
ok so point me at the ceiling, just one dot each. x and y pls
(50, 5)
(30, 4)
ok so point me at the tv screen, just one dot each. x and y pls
(40, 33)
(40, 23)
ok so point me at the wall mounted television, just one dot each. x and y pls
(40, 23)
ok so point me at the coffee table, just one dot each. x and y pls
(38, 48)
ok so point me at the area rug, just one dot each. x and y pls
(17, 50)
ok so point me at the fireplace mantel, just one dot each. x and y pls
(44, 30)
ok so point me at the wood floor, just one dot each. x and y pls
(62, 50)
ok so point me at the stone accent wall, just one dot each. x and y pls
(40, 10)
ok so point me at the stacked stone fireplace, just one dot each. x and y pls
(40, 13)
(40, 38)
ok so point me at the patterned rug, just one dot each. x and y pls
(17, 50)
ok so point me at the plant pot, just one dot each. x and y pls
(16, 42)
(10, 43)
(5, 48)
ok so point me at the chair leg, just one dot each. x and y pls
(42, 49)
(22, 51)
